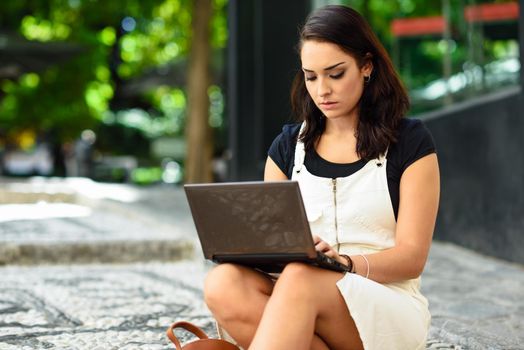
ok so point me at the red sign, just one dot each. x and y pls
(418, 26)
(492, 12)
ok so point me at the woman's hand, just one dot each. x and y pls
(324, 247)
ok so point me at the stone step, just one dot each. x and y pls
(95, 252)
(52, 221)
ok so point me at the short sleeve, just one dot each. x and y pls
(415, 142)
(282, 150)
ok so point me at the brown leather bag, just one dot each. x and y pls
(203, 343)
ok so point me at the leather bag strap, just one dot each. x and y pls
(188, 327)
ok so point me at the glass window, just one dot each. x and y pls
(446, 51)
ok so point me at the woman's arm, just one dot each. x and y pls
(272, 172)
(419, 198)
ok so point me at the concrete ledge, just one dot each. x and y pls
(77, 221)
(95, 252)
(16, 197)
(33, 190)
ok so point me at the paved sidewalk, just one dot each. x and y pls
(477, 302)
(130, 306)
(98, 306)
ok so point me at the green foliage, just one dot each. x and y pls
(118, 40)
(146, 176)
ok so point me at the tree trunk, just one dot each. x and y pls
(198, 132)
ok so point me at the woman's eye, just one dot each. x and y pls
(310, 78)
(337, 76)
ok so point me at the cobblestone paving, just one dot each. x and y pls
(476, 301)
(98, 306)
(130, 306)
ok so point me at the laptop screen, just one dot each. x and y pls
(250, 218)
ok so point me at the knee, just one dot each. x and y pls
(297, 279)
(219, 283)
(297, 272)
(224, 292)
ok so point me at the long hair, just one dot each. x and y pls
(384, 101)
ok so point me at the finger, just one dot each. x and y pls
(331, 253)
(322, 247)
(316, 239)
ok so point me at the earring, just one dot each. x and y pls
(367, 78)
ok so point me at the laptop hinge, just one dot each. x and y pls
(258, 257)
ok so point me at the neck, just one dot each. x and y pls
(341, 126)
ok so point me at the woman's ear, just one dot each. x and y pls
(367, 67)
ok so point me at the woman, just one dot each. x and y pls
(370, 183)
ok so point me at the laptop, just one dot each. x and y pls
(258, 224)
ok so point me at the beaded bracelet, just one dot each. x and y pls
(350, 262)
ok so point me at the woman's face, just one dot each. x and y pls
(333, 78)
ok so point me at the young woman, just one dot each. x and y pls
(370, 183)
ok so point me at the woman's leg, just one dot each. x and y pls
(305, 303)
(237, 296)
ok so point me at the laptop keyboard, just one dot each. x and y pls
(330, 262)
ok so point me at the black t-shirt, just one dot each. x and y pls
(414, 142)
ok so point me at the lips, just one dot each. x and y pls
(327, 105)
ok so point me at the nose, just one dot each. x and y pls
(323, 88)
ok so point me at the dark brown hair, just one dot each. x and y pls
(384, 101)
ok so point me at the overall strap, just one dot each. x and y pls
(381, 159)
(300, 152)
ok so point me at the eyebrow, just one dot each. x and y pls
(327, 68)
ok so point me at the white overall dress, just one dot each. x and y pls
(354, 215)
